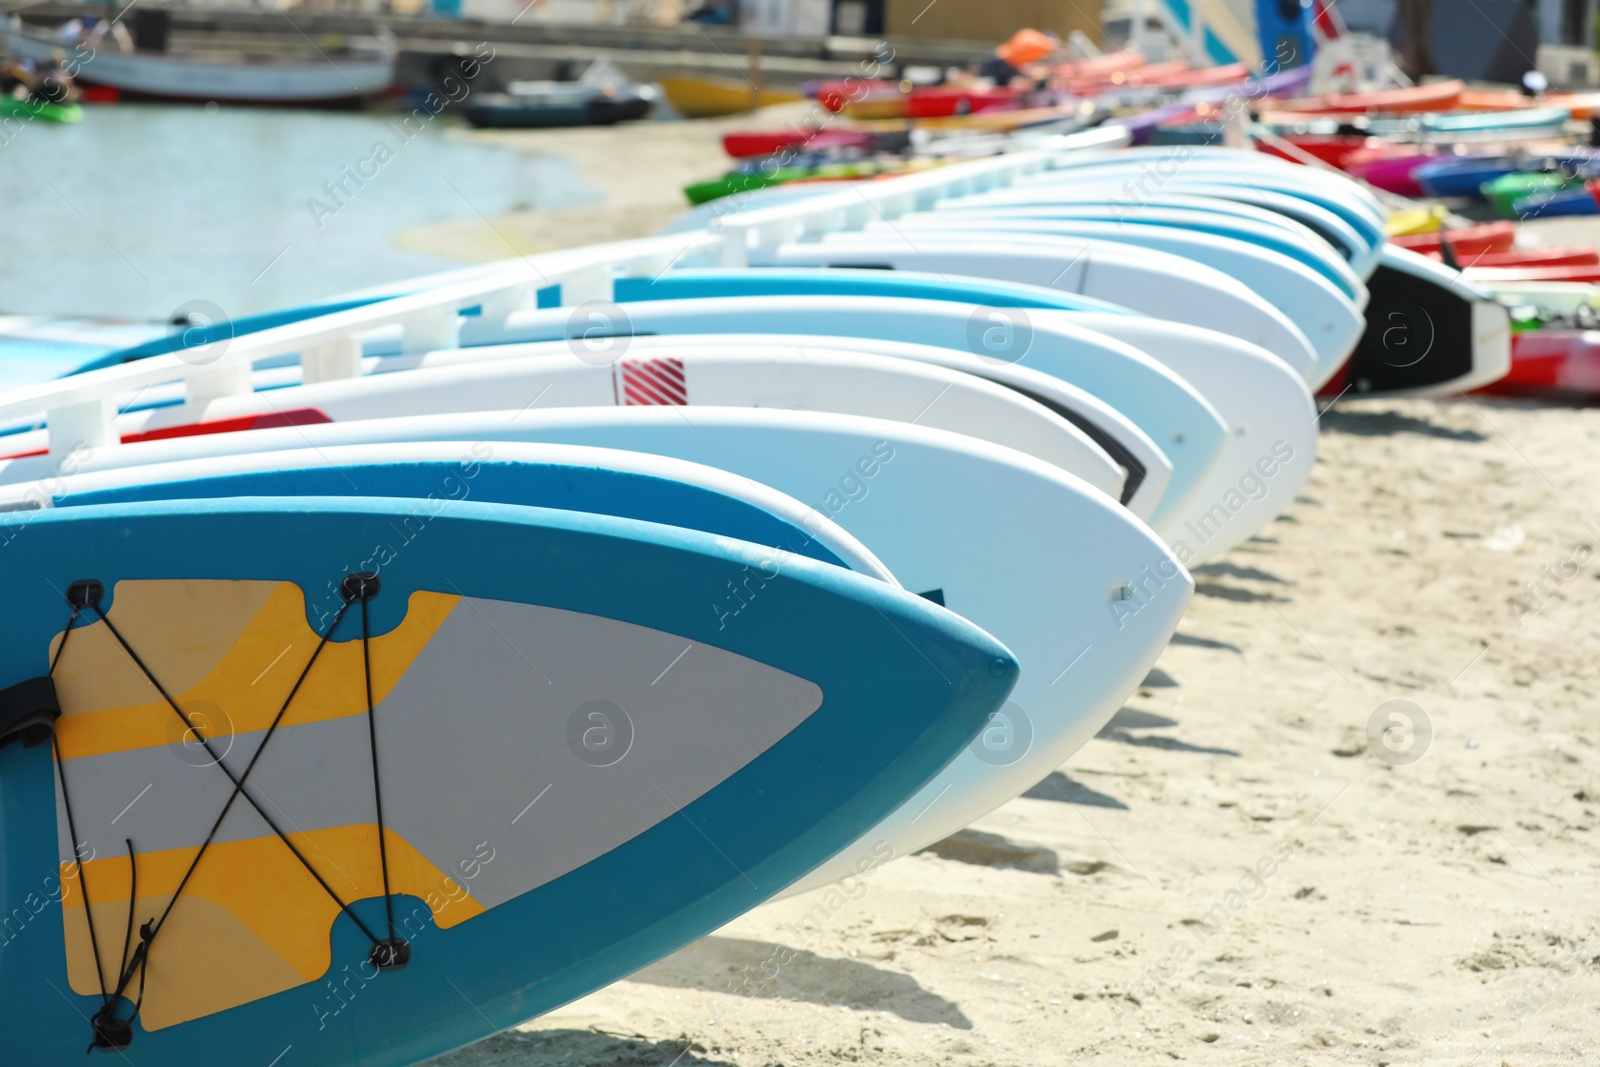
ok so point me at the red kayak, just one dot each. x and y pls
(1529, 257)
(833, 95)
(1551, 362)
(1336, 149)
(752, 144)
(1438, 96)
(933, 103)
(1587, 273)
(1466, 240)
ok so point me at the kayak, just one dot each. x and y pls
(1522, 121)
(1543, 205)
(1570, 273)
(742, 181)
(755, 144)
(1334, 148)
(1392, 174)
(1462, 176)
(1438, 96)
(43, 110)
(1580, 105)
(699, 98)
(1503, 193)
(1551, 362)
(1411, 221)
(1529, 257)
(1464, 240)
(927, 103)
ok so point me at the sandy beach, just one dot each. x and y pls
(1243, 868)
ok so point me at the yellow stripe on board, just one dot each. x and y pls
(229, 652)
(251, 922)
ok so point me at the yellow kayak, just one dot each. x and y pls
(1414, 220)
(703, 98)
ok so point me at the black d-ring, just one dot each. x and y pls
(85, 593)
(362, 585)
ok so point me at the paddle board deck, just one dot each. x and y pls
(1021, 548)
(577, 764)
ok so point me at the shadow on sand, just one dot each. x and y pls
(570, 1048)
(734, 969)
(1390, 423)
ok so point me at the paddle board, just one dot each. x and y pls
(1429, 332)
(1328, 317)
(1272, 440)
(1145, 279)
(577, 765)
(1195, 213)
(630, 485)
(1146, 469)
(1082, 592)
(1182, 423)
(856, 385)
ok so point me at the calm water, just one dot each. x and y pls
(140, 209)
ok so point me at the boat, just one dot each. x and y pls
(338, 75)
(601, 96)
(700, 98)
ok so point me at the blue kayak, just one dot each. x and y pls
(1550, 205)
(1462, 175)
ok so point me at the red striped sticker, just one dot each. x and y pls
(651, 381)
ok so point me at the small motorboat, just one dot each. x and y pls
(601, 96)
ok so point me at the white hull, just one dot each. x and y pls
(333, 78)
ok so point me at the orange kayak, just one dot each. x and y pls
(1436, 96)
(1582, 105)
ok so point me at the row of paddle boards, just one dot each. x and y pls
(362, 700)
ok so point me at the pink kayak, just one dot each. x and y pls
(1392, 174)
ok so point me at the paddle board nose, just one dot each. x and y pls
(305, 742)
